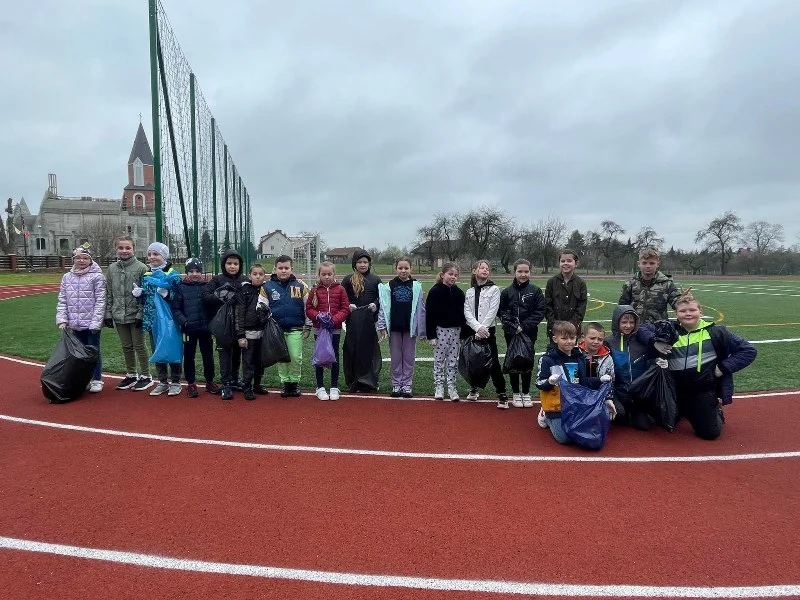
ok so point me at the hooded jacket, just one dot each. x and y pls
(371, 282)
(650, 298)
(521, 305)
(572, 366)
(444, 307)
(234, 282)
(332, 300)
(629, 352)
(696, 353)
(167, 278)
(246, 315)
(82, 299)
(121, 276)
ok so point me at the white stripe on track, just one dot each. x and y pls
(400, 454)
(484, 586)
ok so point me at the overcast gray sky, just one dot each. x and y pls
(360, 119)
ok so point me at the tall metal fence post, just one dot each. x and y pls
(193, 246)
(214, 191)
(156, 122)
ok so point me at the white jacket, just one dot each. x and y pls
(488, 303)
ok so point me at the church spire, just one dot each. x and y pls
(141, 148)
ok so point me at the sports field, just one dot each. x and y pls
(764, 311)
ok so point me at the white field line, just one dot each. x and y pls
(483, 586)
(407, 455)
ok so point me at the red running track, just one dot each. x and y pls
(708, 524)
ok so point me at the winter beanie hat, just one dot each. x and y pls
(194, 264)
(159, 248)
(84, 248)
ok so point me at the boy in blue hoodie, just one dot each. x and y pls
(629, 350)
(564, 360)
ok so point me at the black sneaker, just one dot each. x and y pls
(396, 392)
(261, 390)
(141, 384)
(127, 383)
(294, 390)
(285, 393)
(502, 401)
(238, 385)
(227, 392)
(249, 395)
(407, 393)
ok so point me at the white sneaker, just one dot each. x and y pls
(322, 394)
(454, 396)
(473, 394)
(95, 386)
(542, 420)
(438, 394)
(334, 395)
(516, 401)
(526, 401)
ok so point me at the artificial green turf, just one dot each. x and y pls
(754, 309)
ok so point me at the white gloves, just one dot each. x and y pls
(137, 291)
(373, 307)
(432, 342)
(662, 362)
(163, 292)
(612, 410)
(663, 347)
(353, 307)
(62, 326)
(717, 372)
(519, 328)
(605, 378)
(553, 379)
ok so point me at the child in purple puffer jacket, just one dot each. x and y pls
(82, 305)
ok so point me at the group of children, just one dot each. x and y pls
(702, 360)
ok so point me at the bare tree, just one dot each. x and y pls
(719, 235)
(610, 229)
(440, 238)
(507, 247)
(762, 237)
(543, 239)
(101, 233)
(482, 228)
(647, 238)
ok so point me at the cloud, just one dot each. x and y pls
(362, 119)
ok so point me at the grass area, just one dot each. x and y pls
(29, 278)
(755, 309)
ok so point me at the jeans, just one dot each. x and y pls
(92, 339)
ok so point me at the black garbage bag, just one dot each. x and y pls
(273, 345)
(653, 392)
(664, 331)
(222, 325)
(69, 370)
(475, 362)
(519, 355)
(361, 358)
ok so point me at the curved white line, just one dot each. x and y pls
(400, 454)
(485, 586)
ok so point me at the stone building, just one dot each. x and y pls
(65, 222)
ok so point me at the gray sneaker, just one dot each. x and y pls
(159, 389)
(174, 389)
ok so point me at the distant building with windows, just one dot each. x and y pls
(64, 222)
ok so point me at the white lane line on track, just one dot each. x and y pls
(401, 454)
(484, 586)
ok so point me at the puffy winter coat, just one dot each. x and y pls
(169, 279)
(247, 317)
(233, 282)
(287, 299)
(521, 305)
(190, 312)
(565, 301)
(121, 276)
(332, 300)
(599, 364)
(82, 299)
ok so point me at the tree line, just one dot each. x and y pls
(725, 244)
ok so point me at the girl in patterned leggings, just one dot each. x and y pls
(444, 317)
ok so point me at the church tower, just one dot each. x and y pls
(139, 196)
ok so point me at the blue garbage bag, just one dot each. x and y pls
(167, 338)
(584, 416)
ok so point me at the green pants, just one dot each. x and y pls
(290, 372)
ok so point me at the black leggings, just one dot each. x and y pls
(497, 372)
(320, 372)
